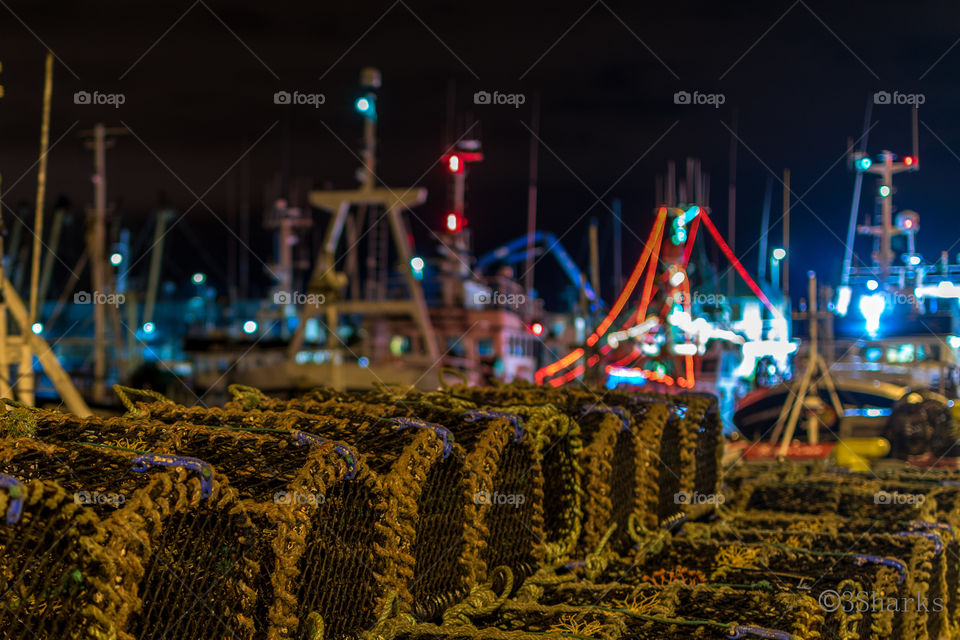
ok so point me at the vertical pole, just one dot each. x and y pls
(369, 151)
(5, 390)
(459, 191)
(244, 256)
(813, 424)
(886, 213)
(915, 116)
(26, 382)
(97, 267)
(855, 203)
(232, 243)
(765, 231)
(670, 187)
(46, 273)
(617, 248)
(786, 237)
(732, 202)
(532, 195)
(156, 261)
(594, 257)
(352, 261)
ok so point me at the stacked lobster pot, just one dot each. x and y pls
(288, 484)
(411, 541)
(105, 543)
(843, 506)
(894, 568)
(646, 611)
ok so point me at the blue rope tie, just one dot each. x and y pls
(443, 432)
(345, 452)
(16, 492)
(929, 535)
(742, 631)
(147, 461)
(862, 559)
(479, 414)
(920, 524)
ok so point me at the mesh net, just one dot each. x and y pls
(108, 545)
(282, 478)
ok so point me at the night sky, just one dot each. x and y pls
(199, 78)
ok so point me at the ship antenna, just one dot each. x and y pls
(854, 205)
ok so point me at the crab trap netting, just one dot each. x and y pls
(878, 501)
(554, 435)
(644, 612)
(617, 448)
(611, 464)
(425, 496)
(921, 557)
(395, 507)
(753, 566)
(97, 543)
(502, 472)
(292, 485)
(861, 505)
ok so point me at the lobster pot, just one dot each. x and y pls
(558, 446)
(604, 629)
(928, 567)
(649, 415)
(417, 515)
(943, 495)
(509, 621)
(477, 506)
(94, 547)
(787, 567)
(282, 478)
(875, 503)
(554, 435)
(670, 613)
(621, 436)
(505, 488)
(704, 410)
(770, 609)
(614, 464)
(558, 443)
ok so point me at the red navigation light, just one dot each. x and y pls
(455, 163)
(455, 222)
(909, 160)
(536, 328)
